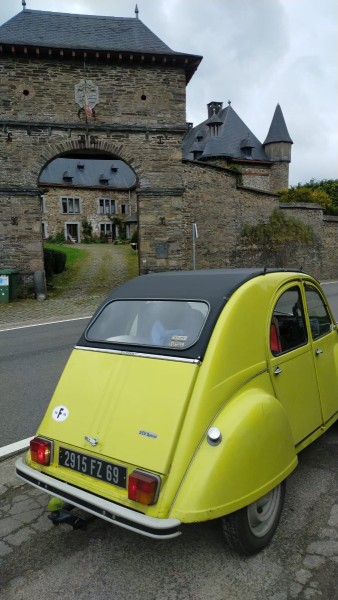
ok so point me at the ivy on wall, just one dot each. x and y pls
(277, 239)
(280, 229)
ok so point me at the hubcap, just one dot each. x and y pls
(262, 513)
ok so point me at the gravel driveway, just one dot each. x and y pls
(105, 266)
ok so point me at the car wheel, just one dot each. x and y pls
(250, 529)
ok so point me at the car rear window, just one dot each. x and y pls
(162, 323)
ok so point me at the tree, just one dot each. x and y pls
(324, 193)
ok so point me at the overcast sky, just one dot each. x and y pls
(256, 53)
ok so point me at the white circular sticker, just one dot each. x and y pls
(60, 413)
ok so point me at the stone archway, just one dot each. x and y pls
(88, 194)
(87, 143)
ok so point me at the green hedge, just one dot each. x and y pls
(55, 262)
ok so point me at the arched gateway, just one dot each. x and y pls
(76, 83)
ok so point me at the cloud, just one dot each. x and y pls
(256, 53)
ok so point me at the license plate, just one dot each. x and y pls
(89, 465)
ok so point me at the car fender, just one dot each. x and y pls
(256, 453)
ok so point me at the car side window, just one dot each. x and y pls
(287, 329)
(320, 320)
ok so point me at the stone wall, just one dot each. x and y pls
(44, 90)
(279, 176)
(258, 177)
(214, 201)
(20, 232)
(220, 208)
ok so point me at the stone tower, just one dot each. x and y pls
(277, 146)
(80, 85)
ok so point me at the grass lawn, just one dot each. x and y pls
(73, 254)
(75, 258)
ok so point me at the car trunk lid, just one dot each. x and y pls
(131, 407)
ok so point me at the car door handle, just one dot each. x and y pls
(319, 351)
(277, 371)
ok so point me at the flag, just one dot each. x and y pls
(88, 111)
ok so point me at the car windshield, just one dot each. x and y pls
(172, 324)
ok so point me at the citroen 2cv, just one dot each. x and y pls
(188, 398)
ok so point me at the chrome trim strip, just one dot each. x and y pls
(195, 361)
(98, 506)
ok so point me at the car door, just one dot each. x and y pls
(292, 364)
(325, 348)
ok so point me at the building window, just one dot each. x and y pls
(105, 229)
(123, 209)
(106, 206)
(70, 205)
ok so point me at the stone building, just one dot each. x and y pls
(224, 140)
(83, 85)
(81, 193)
(90, 88)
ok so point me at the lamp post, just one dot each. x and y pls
(194, 238)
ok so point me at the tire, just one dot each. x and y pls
(249, 530)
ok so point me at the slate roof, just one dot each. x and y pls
(233, 137)
(278, 131)
(79, 172)
(51, 29)
(75, 34)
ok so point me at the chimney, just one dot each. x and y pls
(214, 108)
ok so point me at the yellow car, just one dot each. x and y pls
(188, 398)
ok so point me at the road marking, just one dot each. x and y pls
(48, 323)
(15, 448)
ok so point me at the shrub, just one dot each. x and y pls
(59, 238)
(134, 237)
(55, 262)
(87, 231)
(307, 193)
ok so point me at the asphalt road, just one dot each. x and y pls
(31, 362)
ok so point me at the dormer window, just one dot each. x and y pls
(114, 169)
(214, 124)
(247, 145)
(103, 179)
(80, 166)
(247, 152)
(67, 178)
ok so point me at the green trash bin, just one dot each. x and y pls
(9, 283)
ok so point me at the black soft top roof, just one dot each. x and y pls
(211, 285)
(214, 286)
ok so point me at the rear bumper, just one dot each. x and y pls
(95, 505)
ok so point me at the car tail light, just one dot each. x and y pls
(143, 487)
(41, 450)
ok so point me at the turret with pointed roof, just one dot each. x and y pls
(277, 144)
